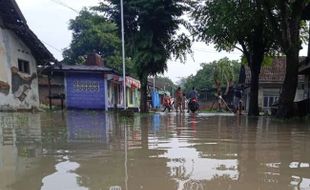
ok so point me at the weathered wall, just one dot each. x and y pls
(57, 88)
(12, 49)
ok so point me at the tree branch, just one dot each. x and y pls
(273, 22)
(238, 48)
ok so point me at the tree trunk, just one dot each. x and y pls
(143, 101)
(255, 66)
(253, 107)
(287, 96)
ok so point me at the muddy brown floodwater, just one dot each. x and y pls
(79, 150)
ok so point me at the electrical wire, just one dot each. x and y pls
(65, 5)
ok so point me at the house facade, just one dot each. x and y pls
(133, 87)
(20, 53)
(94, 86)
(271, 79)
(115, 98)
(85, 86)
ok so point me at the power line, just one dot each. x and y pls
(64, 5)
(51, 46)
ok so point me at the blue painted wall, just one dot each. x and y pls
(87, 128)
(85, 91)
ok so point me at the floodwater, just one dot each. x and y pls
(80, 150)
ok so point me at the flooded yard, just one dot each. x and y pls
(104, 151)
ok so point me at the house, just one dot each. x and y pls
(133, 87)
(20, 54)
(115, 92)
(271, 79)
(93, 86)
(304, 67)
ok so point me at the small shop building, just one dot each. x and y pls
(95, 86)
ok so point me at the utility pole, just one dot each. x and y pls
(123, 57)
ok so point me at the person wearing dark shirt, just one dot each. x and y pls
(238, 93)
(193, 94)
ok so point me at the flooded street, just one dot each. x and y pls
(104, 151)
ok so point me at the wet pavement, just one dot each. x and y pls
(161, 151)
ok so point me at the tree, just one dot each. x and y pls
(150, 33)
(285, 19)
(231, 24)
(93, 32)
(223, 71)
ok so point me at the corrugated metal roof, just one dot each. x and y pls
(83, 68)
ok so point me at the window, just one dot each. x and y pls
(131, 96)
(269, 100)
(86, 86)
(23, 66)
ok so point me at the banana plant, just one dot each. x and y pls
(223, 73)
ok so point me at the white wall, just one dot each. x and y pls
(12, 49)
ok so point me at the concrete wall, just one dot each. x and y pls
(12, 49)
(270, 91)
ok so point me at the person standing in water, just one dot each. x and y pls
(178, 99)
(183, 102)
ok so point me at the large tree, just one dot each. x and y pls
(150, 34)
(93, 32)
(285, 19)
(231, 24)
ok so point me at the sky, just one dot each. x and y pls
(49, 20)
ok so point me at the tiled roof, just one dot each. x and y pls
(274, 73)
(271, 73)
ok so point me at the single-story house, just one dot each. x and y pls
(115, 92)
(94, 86)
(20, 54)
(271, 79)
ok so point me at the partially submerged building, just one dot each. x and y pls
(20, 54)
(92, 86)
(271, 79)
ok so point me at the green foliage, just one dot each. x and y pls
(267, 61)
(151, 37)
(94, 32)
(227, 23)
(223, 71)
(204, 78)
(150, 28)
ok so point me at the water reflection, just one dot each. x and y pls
(64, 174)
(98, 150)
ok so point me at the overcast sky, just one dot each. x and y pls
(49, 21)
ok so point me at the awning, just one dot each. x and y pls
(114, 77)
(133, 83)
